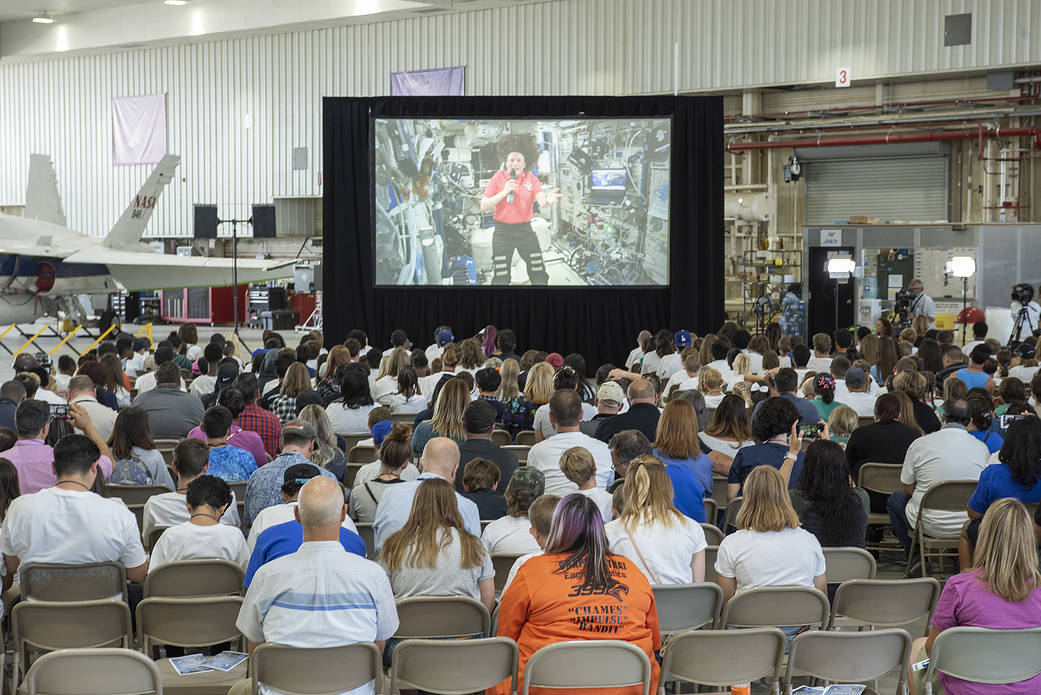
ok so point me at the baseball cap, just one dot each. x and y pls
(299, 428)
(528, 478)
(380, 431)
(479, 417)
(139, 344)
(308, 397)
(682, 338)
(610, 394)
(226, 375)
(855, 377)
(300, 473)
(444, 337)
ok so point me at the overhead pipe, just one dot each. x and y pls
(980, 133)
(811, 113)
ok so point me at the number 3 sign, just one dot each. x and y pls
(842, 77)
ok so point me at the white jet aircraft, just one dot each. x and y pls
(44, 265)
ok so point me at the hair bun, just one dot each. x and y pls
(399, 432)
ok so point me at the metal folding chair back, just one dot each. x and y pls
(849, 657)
(520, 451)
(687, 606)
(771, 606)
(154, 536)
(710, 562)
(500, 437)
(948, 496)
(195, 578)
(710, 510)
(732, 511)
(166, 448)
(525, 437)
(134, 494)
(351, 440)
(884, 603)
(103, 671)
(187, 622)
(51, 582)
(362, 454)
(848, 563)
(981, 655)
(588, 664)
(719, 493)
(713, 536)
(433, 666)
(327, 671)
(369, 536)
(883, 478)
(723, 657)
(428, 617)
(502, 563)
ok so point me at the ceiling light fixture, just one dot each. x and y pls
(44, 19)
(175, 3)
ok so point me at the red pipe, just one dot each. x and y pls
(1034, 133)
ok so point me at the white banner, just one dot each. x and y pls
(138, 129)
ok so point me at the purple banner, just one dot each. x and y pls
(439, 82)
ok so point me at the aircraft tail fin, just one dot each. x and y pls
(128, 230)
(42, 201)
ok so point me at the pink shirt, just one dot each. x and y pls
(243, 439)
(34, 461)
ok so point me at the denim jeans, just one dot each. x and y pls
(897, 507)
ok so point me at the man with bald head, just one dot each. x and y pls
(319, 596)
(440, 459)
(642, 415)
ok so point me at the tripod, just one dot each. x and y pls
(1022, 317)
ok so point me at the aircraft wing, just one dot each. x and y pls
(137, 271)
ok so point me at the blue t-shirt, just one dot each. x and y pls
(687, 492)
(992, 439)
(283, 539)
(231, 463)
(763, 455)
(701, 466)
(973, 379)
(996, 482)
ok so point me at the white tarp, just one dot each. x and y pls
(138, 129)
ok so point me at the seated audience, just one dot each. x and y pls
(319, 573)
(728, 433)
(407, 398)
(447, 420)
(327, 453)
(138, 462)
(481, 479)
(824, 401)
(642, 414)
(478, 424)
(578, 466)
(711, 382)
(231, 398)
(83, 394)
(776, 431)
(981, 419)
(511, 534)
(228, 462)
(667, 546)
(842, 422)
(296, 380)
(350, 413)
(786, 382)
(828, 505)
(11, 394)
(520, 409)
(541, 603)
(609, 401)
(67, 524)
(541, 515)
(253, 418)
(204, 384)
(294, 478)
(203, 536)
(677, 443)
(915, 385)
(857, 395)
(394, 467)
(489, 381)
(565, 411)
(626, 447)
(172, 413)
(565, 378)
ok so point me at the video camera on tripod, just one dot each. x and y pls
(1023, 294)
(902, 308)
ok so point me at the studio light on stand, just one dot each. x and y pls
(840, 268)
(963, 267)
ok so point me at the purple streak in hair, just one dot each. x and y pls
(578, 530)
(489, 340)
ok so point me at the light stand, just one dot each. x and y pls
(235, 269)
(963, 267)
(839, 268)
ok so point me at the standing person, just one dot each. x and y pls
(921, 304)
(511, 193)
(578, 590)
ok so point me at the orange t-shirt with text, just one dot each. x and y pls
(546, 604)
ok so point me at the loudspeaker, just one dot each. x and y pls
(206, 221)
(263, 221)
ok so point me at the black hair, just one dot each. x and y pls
(13, 390)
(107, 347)
(74, 454)
(283, 361)
(212, 352)
(776, 416)
(354, 388)
(663, 343)
(373, 358)
(28, 383)
(800, 355)
(1021, 451)
(786, 380)
(520, 142)
(216, 421)
(488, 379)
(419, 361)
(7, 438)
(843, 339)
(246, 383)
(565, 378)
(979, 330)
(209, 490)
(398, 337)
(720, 348)
(231, 398)
(980, 354)
(506, 340)
(163, 354)
(190, 457)
(58, 429)
(9, 487)
(824, 483)
(30, 417)
(604, 373)
(408, 384)
(358, 335)
(130, 429)
(66, 363)
(741, 339)
(981, 412)
(957, 411)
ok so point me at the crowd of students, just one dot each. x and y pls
(608, 502)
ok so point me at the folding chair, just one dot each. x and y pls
(369, 536)
(710, 562)
(188, 623)
(102, 671)
(713, 536)
(884, 479)
(948, 496)
(882, 603)
(134, 495)
(432, 666)
(51, 582)
(981, 655)
(195, 578)
(849, 657)
(305, 671)
(721, 658)
(774, 606)
(710, 510)
(520, 451)
(865, 420)
(428, 617)
(731, 517)
(848, 563)
(239, 488)
(166, 448)
(525, 437)
(362, 454)
(154, 536)
(44, 626)
(403, 418)
(351, 474)
(352, 440)
(502, 563)
(687, 606)
(588, 664)
(719, 493)
(500, 437)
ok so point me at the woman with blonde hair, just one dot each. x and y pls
(906, 411)
(297, 379)
(433, 554)
(920, 324)
(326, 453)
(743, 390)
(447, 420)
(676, 443)
(769, 548)
(916, 386)
(742, 365)
(841, 423)
(520, 410)
(387, 379)
(710, 383)
(509, 373)
(1002, 591)
(667, 546)
(472, 355)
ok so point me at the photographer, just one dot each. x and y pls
(1025, 311)
(921, 303)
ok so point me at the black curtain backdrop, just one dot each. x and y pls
(600, 323)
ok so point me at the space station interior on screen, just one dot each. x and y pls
(526, 202)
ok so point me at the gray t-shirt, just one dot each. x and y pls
(447, 579)
(366, 497)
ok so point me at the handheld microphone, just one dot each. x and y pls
(513, 177)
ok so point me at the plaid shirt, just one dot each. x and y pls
(284, 408)
(256, 419)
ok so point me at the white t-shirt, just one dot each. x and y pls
(190, 541)
(602, 498)
(371, 471)
(433, 352)
(545, 456)
(635, 355)
(203, 385)
(70, 527)
(792, 557)
(819, 364)
(349, 420)
(194, 352)
(399, 404)
(1024, 374)
(384, 387)
(543, 424)
(667, 550)
(669, 365)
(723, 446)
(46, 396)
(680, 379)
(509, 535)
(146, 382)
(949, 454)
(279, 514)
(862, 403)
(714, 401)
(755, 362)
(171, 508)
(651, 362)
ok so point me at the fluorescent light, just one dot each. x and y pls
(962, 266)
(841, 265)
(175, 3)
(44, 19)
